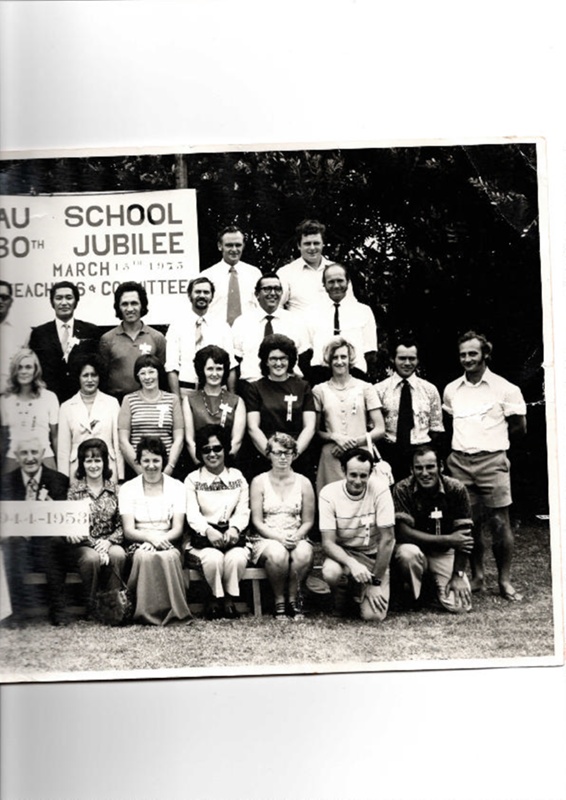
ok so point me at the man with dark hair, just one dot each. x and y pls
(433, 531)
(192, 332)
(356, 518)
(252, 327)
(411, 408)
(233, 280)
(338, 314)
(121, 346)
(486, 410)
(14, 333)
(58, 343)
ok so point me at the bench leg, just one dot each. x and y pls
(256, 592)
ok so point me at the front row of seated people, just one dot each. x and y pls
(154, 527)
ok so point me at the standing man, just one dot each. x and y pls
(434, 531)
(411, 408)
(122, 346)
(485, 410)
(33, 481)
(58, 343)
(337, 314)
(13, 334)
(233, 280)
(252, 327)
(189, 334)
(357, 519)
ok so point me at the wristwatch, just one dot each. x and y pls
(376, 581)
(461, 573)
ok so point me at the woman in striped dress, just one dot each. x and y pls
(150, 412)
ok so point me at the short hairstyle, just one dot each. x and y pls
(266, 275)
(64, 285)
(229, 229)
(154, 445)
(130, 286)
(98, 446)
(356, 452)
(201, 279)
(202, 435)
(218, 355)
(423, 449)
(486, 346)
(333, 345)
(148, 360)
(26, 438)
(37, 383)
(284, 439)
(406, 340)
(8, 286)
(334, 264)
(309, 227)
(88, 360)
(276, 341)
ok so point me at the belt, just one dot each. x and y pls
(479, 453)
(188, 385)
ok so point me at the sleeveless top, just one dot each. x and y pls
(209, 413)
(281, 515)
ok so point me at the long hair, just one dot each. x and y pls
(100, 448)
(37, 384)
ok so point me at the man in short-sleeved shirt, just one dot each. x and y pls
(356, 519)
(485, 409)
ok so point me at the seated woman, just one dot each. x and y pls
(100, 558)
(152, 507)
(212, 403)
(218, 514)
(27, 410)
(150, 412)
(89, 413)
(283, 507)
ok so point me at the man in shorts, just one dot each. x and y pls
(357, 527)
(485, 410)
(433, 531)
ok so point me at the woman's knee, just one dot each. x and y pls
(276, 555)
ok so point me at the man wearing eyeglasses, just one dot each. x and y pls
(13, 335)
(251, 328)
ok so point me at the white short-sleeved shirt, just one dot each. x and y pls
(480, 412)
(248, 332)
(219, 274)
(181, 339)
(357, 326)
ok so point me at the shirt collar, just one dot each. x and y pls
(37, 477)
(210, 478)
(141, 330)
(396, 379)
(59, 323)
(486, 378)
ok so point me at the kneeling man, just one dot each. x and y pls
(357, 528)
(434, 531)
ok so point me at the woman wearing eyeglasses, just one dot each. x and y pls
(280, 401)
(283, 507)
(218, 514)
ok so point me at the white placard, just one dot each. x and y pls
(44, 518)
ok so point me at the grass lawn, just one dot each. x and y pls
(495, 629)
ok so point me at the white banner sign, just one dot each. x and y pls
(44, 518)
(98, 241)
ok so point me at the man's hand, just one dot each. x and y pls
(460, 540)
(376, 598)
(461, 589)
(359, 573)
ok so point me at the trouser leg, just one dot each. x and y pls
(411, 563)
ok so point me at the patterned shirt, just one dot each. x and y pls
(427, 409)
(104, 519)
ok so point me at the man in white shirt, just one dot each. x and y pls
(14, 334)
(234, 281)
(195, 330)
(411, 407)
(485, 410)
(302, 278)
(251, 328)
(337, 314)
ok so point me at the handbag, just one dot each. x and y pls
(115, 606)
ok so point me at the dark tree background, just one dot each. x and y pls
(438, 240)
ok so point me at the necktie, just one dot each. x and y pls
(405, 419)
(336, 319)
(234, 307)
(198, 333)
(65, 337)
(268, 331)
(31, 489)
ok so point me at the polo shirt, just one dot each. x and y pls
(427, 408)
(181, 343)
(120, 352)
(480, 410)
(219, 274)
(247, 333)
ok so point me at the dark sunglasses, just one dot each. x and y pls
(211, 448)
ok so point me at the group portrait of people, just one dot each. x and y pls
(255, 431)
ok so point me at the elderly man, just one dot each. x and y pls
(59, 342)
(411, 408)
(434, 532)
(486, 410)
(356, 519)
(189, 334)
(251, 328)
(233, 280)
(338, 314)
(14, 333)
(132, 338)
(33, 481)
